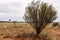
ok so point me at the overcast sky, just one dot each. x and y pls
(14, 9)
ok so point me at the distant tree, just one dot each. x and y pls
(9, 20)
(39, 15)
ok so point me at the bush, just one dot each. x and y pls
(55, 24)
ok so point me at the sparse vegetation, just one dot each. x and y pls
(18, 26)
(24, 33)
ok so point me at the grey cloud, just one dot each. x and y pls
(10, 8)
